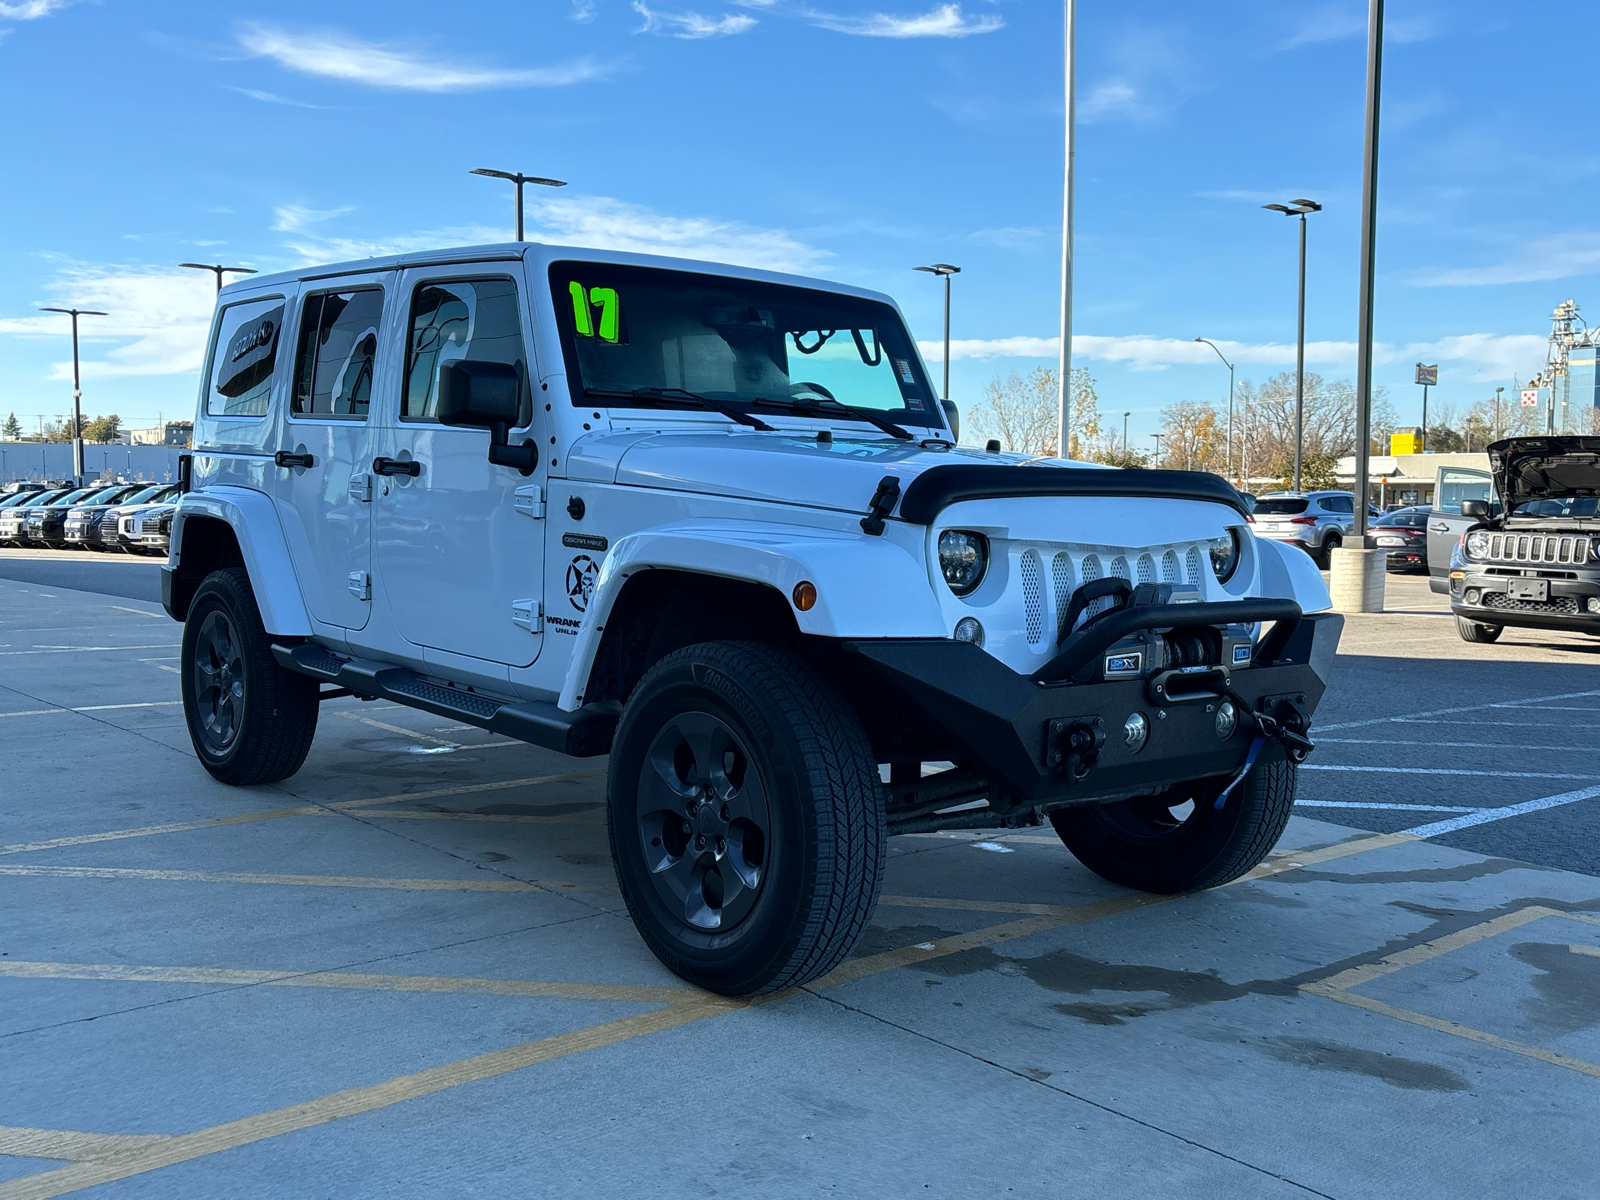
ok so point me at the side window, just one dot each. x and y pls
(1456, 485)
(337, 351)
(243, 356)
(1338, 504)
(477, 320)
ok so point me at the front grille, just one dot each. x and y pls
(1539, 548)
(1033, 596)
(1559, 606)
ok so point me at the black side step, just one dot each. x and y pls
(582, 734)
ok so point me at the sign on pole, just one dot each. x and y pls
(1428, 375)
(1530, 398)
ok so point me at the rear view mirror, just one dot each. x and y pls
(1478, 510)
(952, 415)
(487, 395)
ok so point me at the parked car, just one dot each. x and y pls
(1536, 562)
(714, 522)
(14, 520)
(153, 527)
(1403, 532)
(47, 526)
(1452, 487)
(119, 526)
(86, 521)
(1314, 521)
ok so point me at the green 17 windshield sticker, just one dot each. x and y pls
(583, 305)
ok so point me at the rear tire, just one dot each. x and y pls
(746, 818)
(1324, 557)
(1153, 844)
(1477, 631)
(251, 721)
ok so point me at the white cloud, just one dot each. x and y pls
(945, 20)
(161, 316)
(1330, 23)
(690, 25)
(1485, 355)
(1560, 257)
(335, 55)
(30, 10)
(583, 11)
(291, 218)
(271, 97)
(608, 224)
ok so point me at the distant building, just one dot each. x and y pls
(173, 433)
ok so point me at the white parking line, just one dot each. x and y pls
(86, 649)
(1591, 749)
(45, 712)
(1485, 815)
(1452, 808)
(1464, 708)
(1447, 771)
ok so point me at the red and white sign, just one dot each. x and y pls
(1530, 398)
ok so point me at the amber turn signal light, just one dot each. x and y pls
(805, 595)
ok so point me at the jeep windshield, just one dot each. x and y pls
(637, 337)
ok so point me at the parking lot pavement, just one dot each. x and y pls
(406, 972)
(114, 574)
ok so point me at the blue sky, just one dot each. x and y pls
(844, 140)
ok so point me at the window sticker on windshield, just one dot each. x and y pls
(904, 367)
(583, 306)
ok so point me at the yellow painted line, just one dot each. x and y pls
(337, 881)
(400, 729)
(402, 814)
(217, 1138)
(354, 1101)
(993, 906)
(72, 1145)
(347, 980)
(1454, 1029)
(84, 839)
(1591, 951)
(1357, 976)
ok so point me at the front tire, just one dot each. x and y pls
(251, 721)
(746, 818)
(1179, 841)
(1477, 631)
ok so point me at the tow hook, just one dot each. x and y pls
(1074, 746)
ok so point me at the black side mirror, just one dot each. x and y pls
(952, 414)
(1478, 510)
(487, 395)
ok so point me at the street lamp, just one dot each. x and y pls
(77, 389)
(220, 270)
(1497, 392)
(1229, 365)
(1158, 437)
(518, 179)
(1069, 78)
(944, 271)
(1125, 417)
(1299, 208)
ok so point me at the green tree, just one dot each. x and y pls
(103, 429)
(12, 430)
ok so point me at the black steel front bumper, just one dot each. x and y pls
(1486, 583)
(1013, 730)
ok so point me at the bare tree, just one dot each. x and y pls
(1021, 411)
(1267, 423)
(1193, 437)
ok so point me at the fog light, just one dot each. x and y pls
(1134, 731)
(968, 629)
(1473, 595)
(1594, 604)
(1227, 719)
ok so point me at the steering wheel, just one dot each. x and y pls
(796, 388)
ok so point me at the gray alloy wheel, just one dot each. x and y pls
(218, 681)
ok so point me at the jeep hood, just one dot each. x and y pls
(843, 474)
(1537, 468)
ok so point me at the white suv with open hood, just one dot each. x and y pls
(713, 521)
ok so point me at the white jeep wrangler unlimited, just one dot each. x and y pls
(713, 522)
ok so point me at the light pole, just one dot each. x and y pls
(1229, 365)
(1299, 208)
(1064, 396)
(220, 270)
(77, 389)
(944, 271)
(1497, 392)
(518, 179)
(1125, 417)
(1158, 437)
(1369, 235)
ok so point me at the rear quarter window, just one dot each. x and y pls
(244, 356)
(1279, 508)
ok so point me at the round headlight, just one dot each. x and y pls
(1478, 543)
(963, 558)
(1225, 556)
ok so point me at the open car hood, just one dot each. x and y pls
(1539, 468)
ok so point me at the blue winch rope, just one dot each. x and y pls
(1249, 761)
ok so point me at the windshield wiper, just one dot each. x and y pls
(693, 399)
(829, 404)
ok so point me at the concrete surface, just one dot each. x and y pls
(1356, 579)
(405, 971)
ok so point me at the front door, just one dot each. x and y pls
(339, 365)
(460, 541)
(1445, 522)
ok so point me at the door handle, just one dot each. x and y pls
(288, 458)
(1441, 527)
(396, 466)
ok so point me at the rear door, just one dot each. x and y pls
(1451, 486)
(339, 364)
